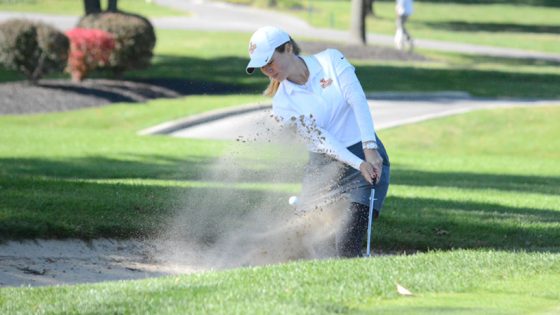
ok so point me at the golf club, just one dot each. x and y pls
(370, 222)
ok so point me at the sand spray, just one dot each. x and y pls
(241, 217)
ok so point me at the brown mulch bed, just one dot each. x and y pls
(52, 95)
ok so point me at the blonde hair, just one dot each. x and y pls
(273, 85)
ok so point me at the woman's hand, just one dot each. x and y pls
(368, 171)
(376, 162)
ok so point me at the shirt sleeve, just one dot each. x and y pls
(340, 62)
(317, 139)
(354, 95)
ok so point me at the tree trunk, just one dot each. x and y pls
(37, 73)
(370, 10)
(112, 6)
(272, 3)
(358, 25)
(92, 6)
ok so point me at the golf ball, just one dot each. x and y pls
(293, 200)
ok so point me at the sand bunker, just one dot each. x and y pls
(54, 262)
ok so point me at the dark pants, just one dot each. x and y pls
(401, 27)
(350, 238)
(360, 189)
(328, 180)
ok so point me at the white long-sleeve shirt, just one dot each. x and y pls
(330, 112)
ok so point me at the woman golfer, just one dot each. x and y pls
(320, 97)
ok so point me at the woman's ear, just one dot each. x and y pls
(289, 48)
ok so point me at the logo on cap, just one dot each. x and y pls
(252, 48)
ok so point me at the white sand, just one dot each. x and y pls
(57, 262)
(258, 241)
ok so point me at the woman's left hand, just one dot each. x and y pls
(374, 158)
(368, 172)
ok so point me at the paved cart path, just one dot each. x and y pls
(387, 111)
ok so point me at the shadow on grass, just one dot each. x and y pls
(184, 75)
(427, 224)
(163, 167)
(100, 167)
(35, 207)
(201, 75)
(46, 198)
(487, 83)
(142, 167)
(493, 27)
(189, 75)
(518, 183)
(478, 59)
(230, 71)
(543, 3)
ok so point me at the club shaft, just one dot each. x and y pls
(370, 222)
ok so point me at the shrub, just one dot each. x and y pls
(134, 38)
(33, 48)
(89, 49)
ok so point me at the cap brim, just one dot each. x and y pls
(250, 70)
(258, 61)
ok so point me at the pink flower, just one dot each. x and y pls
(89, 49)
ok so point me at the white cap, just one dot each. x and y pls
(262, 45)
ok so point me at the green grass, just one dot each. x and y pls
(520, 24)
(474, 174)
(215, 61)
(50, 171)
(76, 7)
(476, 177)
(190, 55)
(486, 181)
(459, 282)
(47, 165)
(462, 182)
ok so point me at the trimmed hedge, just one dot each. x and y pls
(134, 36)
(33, 48)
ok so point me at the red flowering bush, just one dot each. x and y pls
(89, 49)
(135, 39)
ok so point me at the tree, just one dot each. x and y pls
(370, 10)
(358, 24)
(92, 6)
(112, 7)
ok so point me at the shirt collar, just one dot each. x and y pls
(314, 68)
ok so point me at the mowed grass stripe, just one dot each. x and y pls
(441, 282)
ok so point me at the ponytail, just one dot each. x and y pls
(272, 87)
